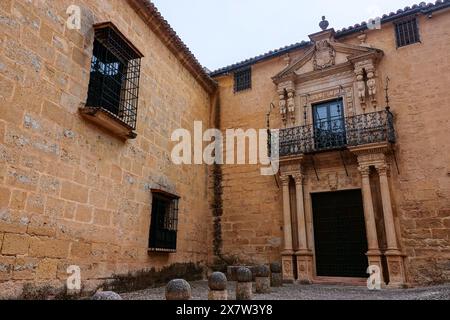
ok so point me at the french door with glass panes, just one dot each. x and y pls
(329, 125)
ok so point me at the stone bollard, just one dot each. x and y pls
(217, 283)
(178, 289)
(262, 279)
(276, 279)
(244, 284)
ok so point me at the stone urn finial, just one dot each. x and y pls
(324, 24)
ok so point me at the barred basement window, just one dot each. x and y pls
(243, 80)
(114, 78)
(164, 222)
(407, 32)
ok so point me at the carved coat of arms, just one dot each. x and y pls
(324, 55)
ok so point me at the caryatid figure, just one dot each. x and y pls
(291, 105)
(371, 85)
(283, 108)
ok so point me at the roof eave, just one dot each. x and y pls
(416, 9)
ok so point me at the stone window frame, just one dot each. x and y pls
(163, 226)
(344, 92)
(115, 63)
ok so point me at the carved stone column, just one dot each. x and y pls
(374, 253)
(304, 255)
(303, 245)
(287, 215)
(393, 254)
(287, 254)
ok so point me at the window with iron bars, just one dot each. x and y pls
(114, 77)
(407, 32)
(164, 222)
(243, 80)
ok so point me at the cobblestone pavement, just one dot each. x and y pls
(311, 292)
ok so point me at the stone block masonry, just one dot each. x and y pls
(71, 193)
(420, 189)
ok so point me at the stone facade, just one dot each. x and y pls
(71, 193)
(418, 192)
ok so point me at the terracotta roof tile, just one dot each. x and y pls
(416, 8)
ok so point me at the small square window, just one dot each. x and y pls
(164, 222)
(114, 77)
(407, 32)
(243, 80)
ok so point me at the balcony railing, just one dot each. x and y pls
(338, 134)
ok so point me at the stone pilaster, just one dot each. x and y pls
(391, 236)
(287, 254)
(287, 215)
(287, 266)
(301, 224)
(375, 155)
(394, 256)
(374, 253)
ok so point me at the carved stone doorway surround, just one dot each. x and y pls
(374, 155)
(302, 258)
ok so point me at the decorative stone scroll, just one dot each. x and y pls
(324, 95)
(350, 103)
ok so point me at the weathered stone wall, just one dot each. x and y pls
(419, 74)
(252, 203)
(420, 100)
(71, 193)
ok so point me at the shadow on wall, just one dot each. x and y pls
(133, 281)
(145, 279)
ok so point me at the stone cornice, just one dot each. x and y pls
(373, 148)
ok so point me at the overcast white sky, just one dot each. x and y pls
(223, 32)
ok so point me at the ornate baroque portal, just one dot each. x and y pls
(353, 124)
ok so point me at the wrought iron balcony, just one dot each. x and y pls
(338, 134)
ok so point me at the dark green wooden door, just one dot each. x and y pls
(340, 234)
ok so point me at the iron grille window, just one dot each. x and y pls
(243, 80)
(114, 78)
(164, 222)
(407, 32)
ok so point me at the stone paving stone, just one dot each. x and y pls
(309, 292)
